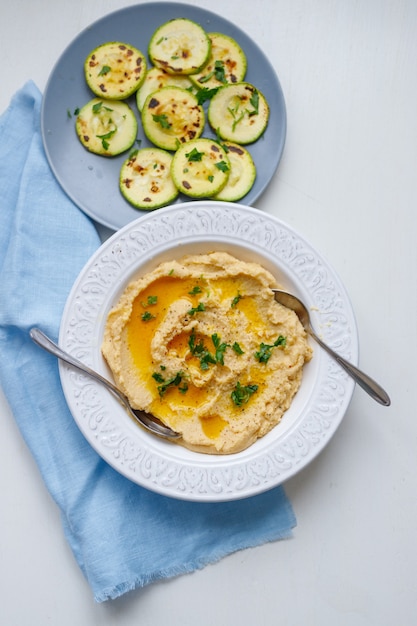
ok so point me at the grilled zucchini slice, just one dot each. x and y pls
(145, 179)
(179, 46)
(106, 127)
(172, 116)
(156, 79)
(238, 113)
(115, 70)
(227, 63)
(242, 173)
(200, 168)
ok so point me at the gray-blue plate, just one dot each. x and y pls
(92, 181)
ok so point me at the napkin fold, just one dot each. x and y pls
(122, 535)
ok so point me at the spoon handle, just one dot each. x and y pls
(365, 381)
(47, 344)
(140, 416)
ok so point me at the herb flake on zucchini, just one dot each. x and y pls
(227, 63)
(200, 168)
(242, 173)
(238, 113)
(115, 70)
(172, 116)
(179, 46)
(145, 179)
(106, 127)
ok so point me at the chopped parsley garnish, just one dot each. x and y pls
(98, 106)
(255, 103)
(236, 300)
(206, 359)
(238, 114)
(151, 300)
(218, 73)
(104, 70)
(222, 166)
(76, 112)
(199, 350)
(206, 78)
(192, 344)
(162, 120)
(265, 350)
(219, 347)
(241, 393)
(105, 137)
(236, 347)
(194, 155)
(205, 94)
(195, 290)
(175, 381)
(197, 309)
(147, 316)
(235, 114)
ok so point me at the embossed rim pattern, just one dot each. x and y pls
(318, 407)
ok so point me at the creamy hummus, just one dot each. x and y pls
(202, 344)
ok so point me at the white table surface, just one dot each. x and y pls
(348, 183)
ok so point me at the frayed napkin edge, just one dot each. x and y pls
(116, 591)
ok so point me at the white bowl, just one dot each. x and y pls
(319, 405)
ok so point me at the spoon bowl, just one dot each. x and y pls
(368, 384)
(148, 421)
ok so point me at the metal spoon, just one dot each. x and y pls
(146, 420)
(369, 385)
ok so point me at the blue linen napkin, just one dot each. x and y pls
(122, 535)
